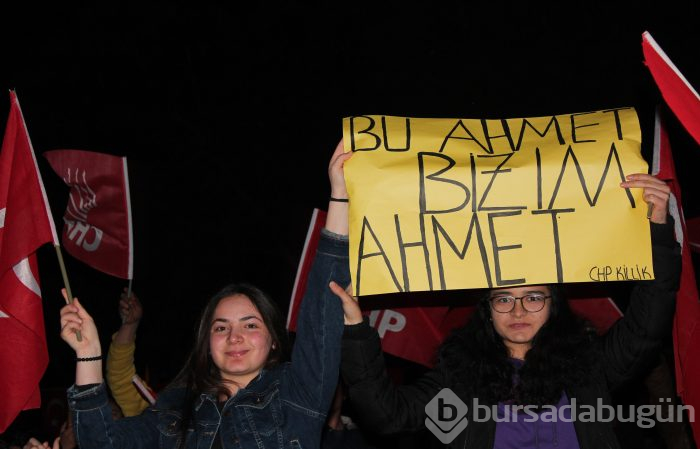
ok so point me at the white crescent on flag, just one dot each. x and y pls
(26, 277)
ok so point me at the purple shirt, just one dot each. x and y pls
(526, 429)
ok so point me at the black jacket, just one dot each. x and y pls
(625, 350)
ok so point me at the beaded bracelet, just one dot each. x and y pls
(88, 359)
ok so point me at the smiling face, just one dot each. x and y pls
(518, 327)
(239, 340)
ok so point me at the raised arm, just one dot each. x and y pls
(382, 406)
(337, 217)
(634, 341)
(316, 354)
(88, 402)
(88, 351)
(120, 368)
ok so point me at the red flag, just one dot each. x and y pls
(412, 333)
(25, 224)
(686, 333)
(683, 100)
(97, 221)
(600, 312)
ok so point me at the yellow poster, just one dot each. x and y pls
(442, 204)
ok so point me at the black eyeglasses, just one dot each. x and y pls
(533, 302)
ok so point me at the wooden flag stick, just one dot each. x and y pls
(64, 273)
(128, 292)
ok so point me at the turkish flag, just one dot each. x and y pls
(686, 333)
(25, 224)
(680, 96)
(97, 222)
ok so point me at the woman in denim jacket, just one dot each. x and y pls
(236, 390)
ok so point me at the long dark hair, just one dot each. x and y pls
(475, 360)
(200, 374)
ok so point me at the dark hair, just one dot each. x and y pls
(200, 374)
(475, 360)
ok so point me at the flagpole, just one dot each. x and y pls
(128, 292)
(64, 274)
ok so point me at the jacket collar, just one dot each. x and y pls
(210, 397)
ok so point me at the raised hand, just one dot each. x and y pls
(335, 171)
(337, 217)
(656, 193)
(74, 318)
(130, 309)
(351, 309)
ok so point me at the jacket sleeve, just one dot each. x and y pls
(314, 371)
(95, 428)
(382, 406)
(632, 342)
(120, 370)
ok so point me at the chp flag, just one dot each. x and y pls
(97, 222)
(25, 224)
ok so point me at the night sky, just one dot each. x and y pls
(228, 115)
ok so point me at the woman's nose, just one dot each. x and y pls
(518, 309)
(235, 336)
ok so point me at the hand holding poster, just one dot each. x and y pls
(440, 204)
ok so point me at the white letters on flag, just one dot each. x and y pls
(97, 221)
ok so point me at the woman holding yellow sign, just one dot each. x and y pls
(524, 371)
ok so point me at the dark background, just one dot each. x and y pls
(228, 115)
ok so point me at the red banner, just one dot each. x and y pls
(25, 225)
(686, 332)
(97, 220)
(412, 333)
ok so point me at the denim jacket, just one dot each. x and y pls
(284, 407)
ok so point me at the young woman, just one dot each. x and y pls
(237, 389)
(524, 347)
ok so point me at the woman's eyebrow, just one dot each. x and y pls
(250, 317)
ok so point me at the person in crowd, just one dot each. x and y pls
(523, 347)
(237, 388)
(120, 369)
